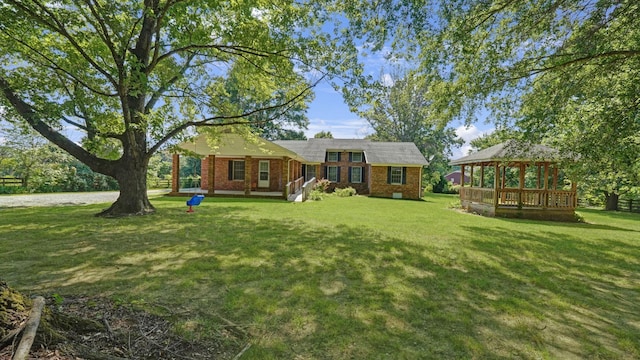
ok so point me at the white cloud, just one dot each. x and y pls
(387, 80)
(340, 129)
(468, 133)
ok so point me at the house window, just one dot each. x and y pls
(356, 174)
(396, 175)
(310, 172)
(332, 156)
(332, 173)
(356, 157)
(236, 170)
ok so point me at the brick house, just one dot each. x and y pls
(279, 168)
(456, 177)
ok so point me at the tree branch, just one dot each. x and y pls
(583, 59)
(32, 117)
(55, 67)
(156, 95)
(58, 27)
(209, 122)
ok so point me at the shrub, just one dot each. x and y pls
(453, 189)
(348, 191)
(316, 195)
(322, 185)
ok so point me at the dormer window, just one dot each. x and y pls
(332, 156)
(356, 156)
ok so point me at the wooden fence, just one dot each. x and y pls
(630, 205)
(11, 181)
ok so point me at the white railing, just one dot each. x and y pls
(307, 187)
(294, 186)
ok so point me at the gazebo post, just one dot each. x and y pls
(482, 175)
(496, 182)
(521, 185)
(462, 176)
(545, 203)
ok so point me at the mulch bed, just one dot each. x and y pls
(98, 328)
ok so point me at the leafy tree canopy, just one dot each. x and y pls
(564, 72)
(323, 135)
(402, 111)
(130, 76)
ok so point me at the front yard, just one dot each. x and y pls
(357, 277)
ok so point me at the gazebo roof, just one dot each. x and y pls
(511, 150)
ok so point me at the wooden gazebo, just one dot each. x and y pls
(517, 179)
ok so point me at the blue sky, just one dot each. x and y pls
(328, 112)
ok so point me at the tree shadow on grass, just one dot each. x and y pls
(345, 292)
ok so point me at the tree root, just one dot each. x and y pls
(29, 334)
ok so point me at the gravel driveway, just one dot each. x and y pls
(55, 199)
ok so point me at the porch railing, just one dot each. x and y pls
(555, 199)
(307, 187)
(294, 186)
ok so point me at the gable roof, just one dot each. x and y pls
(511, 150)
(376, 153)
(236, 145)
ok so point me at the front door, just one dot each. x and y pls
(263, 174)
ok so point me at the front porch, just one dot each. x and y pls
(226, 193)
(239, 168)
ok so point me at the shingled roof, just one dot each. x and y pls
(375, 153)
(511, 150)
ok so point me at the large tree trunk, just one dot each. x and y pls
(611, 201)
(133, 199)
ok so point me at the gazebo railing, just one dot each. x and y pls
(479, 195)
(539, 198)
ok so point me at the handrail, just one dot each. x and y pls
(307, 187)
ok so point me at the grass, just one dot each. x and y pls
(355, 277)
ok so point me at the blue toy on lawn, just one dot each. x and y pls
(194, 201)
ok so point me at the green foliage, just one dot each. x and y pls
(132, 76)
(323, 135)
(322, 185)
(402, 111)
(317, 195)
(345, 192)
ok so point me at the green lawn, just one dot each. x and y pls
(341, 278)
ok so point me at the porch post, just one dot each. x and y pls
(175, 174)
(211, 175)
(247, 175)
(285, 176)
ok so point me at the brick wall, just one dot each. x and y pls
(344, 164)
(410, 190)
(221, 175)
